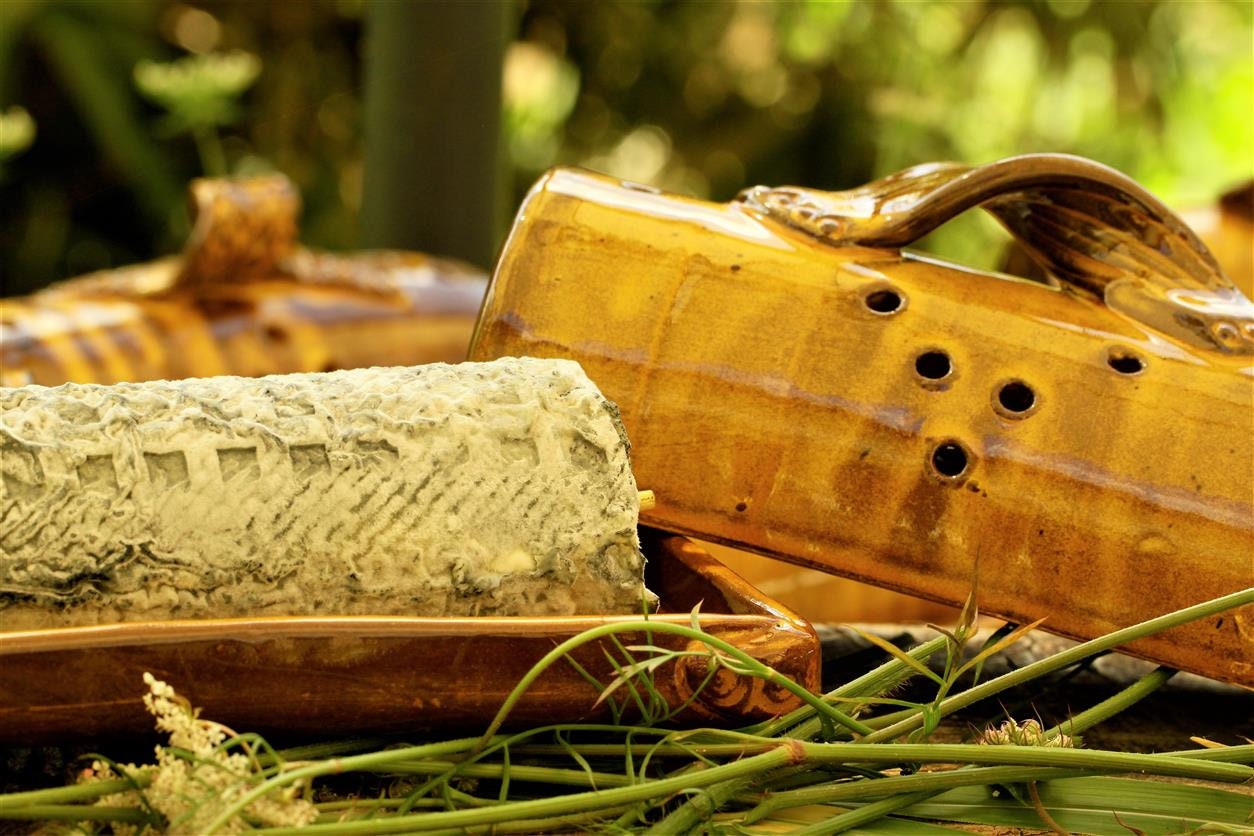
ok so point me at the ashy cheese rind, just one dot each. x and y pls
(499, 488)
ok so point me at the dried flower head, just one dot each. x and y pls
(198, 773)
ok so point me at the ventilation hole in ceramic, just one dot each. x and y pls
(950, 460)
(1124, 361)
(933, 365)
(1016, 398)
(884, 301)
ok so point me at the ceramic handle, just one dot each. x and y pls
(1086, 224)
(241, 229)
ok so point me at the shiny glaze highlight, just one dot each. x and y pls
(768, 378)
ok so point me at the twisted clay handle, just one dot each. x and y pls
(245, 230)
(1086, 224)
(241, 229)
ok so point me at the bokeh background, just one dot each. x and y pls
(699, 97)
(421, 125)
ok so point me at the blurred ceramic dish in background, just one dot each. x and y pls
(243, 298)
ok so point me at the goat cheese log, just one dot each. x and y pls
(499, 488)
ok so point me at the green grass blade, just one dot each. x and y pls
(1071, 656)
(88, 791)
(75, 812)
(1227, 754)
(812, 819)
(1113, 704)
(899, 654)
(1078, 723)
(1089, 805)
(977, 661)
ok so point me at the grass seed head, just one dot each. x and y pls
(1027, 733)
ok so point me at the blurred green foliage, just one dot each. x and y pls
(17, 132)
(703, 98)
(198, 93)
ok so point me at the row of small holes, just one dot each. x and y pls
(936, 365)
(1015, 398)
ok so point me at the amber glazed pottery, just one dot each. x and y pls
(243, 298)
(320, 676)
(1080, 450)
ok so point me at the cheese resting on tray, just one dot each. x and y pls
(499, 488)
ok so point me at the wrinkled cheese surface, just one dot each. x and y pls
(481, 488)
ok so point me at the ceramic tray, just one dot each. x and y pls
(360, 674)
